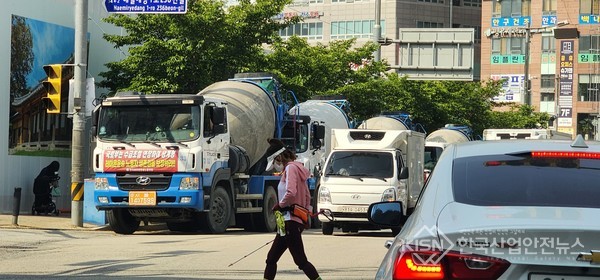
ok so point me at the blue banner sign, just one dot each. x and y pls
(510, 21)
(589, 19)
(548, 20)
(146, 6)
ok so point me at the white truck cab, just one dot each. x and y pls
(367, 166)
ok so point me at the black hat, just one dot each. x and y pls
(276, 148)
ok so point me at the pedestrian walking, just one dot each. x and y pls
(292, 191)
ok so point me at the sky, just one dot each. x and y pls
(52, 44)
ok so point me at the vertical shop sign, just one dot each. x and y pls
(565, 98)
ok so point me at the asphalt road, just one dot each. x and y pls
(70, 254)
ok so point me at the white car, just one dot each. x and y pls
(515, 209)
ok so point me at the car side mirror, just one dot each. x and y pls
(385, 213)
(403, 173)
(219, 129)
(219, 116)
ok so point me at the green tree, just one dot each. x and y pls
(187, 52)
(311, 70)
(21, 56)
(518, 116)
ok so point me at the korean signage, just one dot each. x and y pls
(589, 19)
(510, 21)
(508, 59)
(146, 6)
(512, 87)
(548, 20)
(565, 98)
(140, 160)
(588, 58)
(305, 14)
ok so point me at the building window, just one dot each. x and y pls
(547, 97)
(348, 1)
(426, 24)
(472, 3)
(309, 30)
(354, 29)
(511, 8)
(508, 46)
(589, 44)
(432, 1)
(588, 88)
(589, 7)
(548, 82)
(548, 7)
(548, 44)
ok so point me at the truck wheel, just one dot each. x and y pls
(121, 221)
(219, 214)
(327, 228)
(265, 221)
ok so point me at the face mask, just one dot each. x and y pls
(278, 167)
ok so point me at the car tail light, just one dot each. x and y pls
(557, 154)
(434, 264)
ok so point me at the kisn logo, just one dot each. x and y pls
(432, 239)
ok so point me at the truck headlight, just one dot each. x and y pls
(389, 195)
(101, 184)
(189, 183)
(324, 195)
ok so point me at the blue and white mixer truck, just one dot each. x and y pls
(194, 161)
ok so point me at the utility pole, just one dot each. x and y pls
(377, 30)
(81, 19)
(526, 81)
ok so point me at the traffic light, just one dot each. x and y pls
(53, 86)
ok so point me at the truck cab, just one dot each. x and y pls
(367, 166)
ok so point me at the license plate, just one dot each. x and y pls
(142, 198)
(354, 209)
(559, 277)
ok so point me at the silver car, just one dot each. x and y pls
(515, 209)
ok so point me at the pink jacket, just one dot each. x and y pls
(295, 176)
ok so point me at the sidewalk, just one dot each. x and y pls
(50, 222)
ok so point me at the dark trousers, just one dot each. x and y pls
(292, 241)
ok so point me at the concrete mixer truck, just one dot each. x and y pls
(436, 142)
(194, 161)
(382, 160)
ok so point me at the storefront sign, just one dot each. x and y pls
(512, 87)
(510, 21)
(565, 99)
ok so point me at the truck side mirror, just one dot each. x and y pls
(403, 173)
(219, 116)
(95, 121)
(319, 132)
(219, 120)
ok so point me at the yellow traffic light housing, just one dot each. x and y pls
(53, 86)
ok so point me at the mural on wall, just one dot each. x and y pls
(34, 44)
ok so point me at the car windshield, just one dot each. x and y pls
(432, 154)
(171, 123)
(361, 163)
(522, 180)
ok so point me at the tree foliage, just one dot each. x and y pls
(21, 58)
(310, 70)
(187, 52)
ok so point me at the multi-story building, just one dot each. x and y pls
(563, 68)
(327, 20)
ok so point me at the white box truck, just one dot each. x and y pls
(367, 166)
